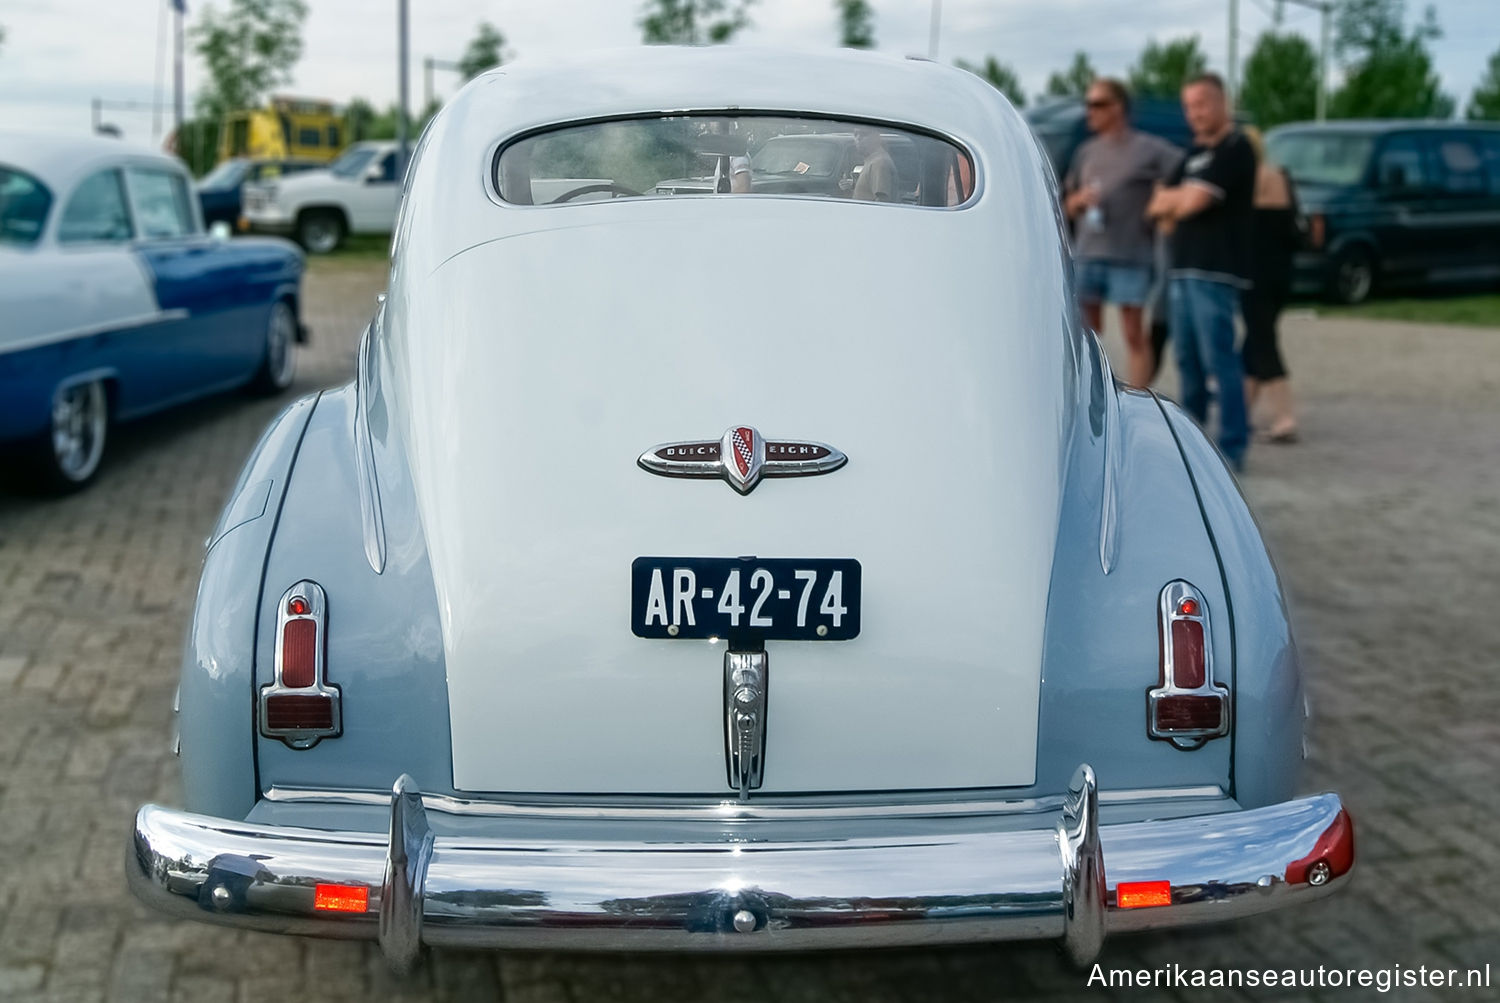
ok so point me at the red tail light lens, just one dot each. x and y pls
(299, 712)
(1188, 671)
(1189, 713)
(299, 653)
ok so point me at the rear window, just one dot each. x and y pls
(24, 202)
(1322, 158)
(685, 155)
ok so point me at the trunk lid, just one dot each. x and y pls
(531, 372)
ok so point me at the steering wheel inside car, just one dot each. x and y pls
(611, 187)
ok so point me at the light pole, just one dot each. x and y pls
(1325, 8)
(1234, 46)
(402, 119)
(428, 65)
(934, 29)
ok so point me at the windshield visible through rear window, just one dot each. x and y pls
(733, 155)
(1322, 158)
(24, 202)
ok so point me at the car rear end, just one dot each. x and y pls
(807, 600)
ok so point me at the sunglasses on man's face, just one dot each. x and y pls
(1097, 103)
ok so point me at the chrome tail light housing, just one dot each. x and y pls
(1186, 707)
(299, 706)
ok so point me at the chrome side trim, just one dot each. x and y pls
(371, 519)
(707, 890)
(108, 327)
(735, 811)
(1109, 503)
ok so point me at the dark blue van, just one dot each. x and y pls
(1392, 202)
(1061, 128)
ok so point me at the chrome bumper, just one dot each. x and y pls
(1061, 883)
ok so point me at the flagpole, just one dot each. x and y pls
(179, 8)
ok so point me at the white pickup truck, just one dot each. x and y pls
(358, 193)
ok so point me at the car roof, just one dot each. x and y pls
(59, 160)
(521, 98)
(1381, 125)
(663, 78)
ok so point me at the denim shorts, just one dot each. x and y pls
(1113, 282)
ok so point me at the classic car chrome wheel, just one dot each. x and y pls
(280, 363)
(80, 422)
(320, 232)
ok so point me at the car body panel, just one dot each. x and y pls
(162, 320)
(515, 765)
(216, 736)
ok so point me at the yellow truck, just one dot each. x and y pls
(287, 128)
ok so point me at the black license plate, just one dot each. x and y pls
(745, 599)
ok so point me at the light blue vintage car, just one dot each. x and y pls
(115, 303)
(483, 648)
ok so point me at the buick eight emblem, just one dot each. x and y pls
(742, 457)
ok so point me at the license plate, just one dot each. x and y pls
(745, 599)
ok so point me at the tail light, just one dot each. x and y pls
(1317, 231)
(1187, 708)
(299, 706)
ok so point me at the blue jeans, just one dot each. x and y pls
(1116, 282)
(1201, 316)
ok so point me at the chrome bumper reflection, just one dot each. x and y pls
(719, 895)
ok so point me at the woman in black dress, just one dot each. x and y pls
(1277, 235)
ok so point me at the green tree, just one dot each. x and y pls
(1164, 67)
(486, 49)
(693, 22)
(856, 24)
(1002, 77)
(1388, 69)
(1484, 103)
(1074, 81)
(1281, 80)
(248, 49)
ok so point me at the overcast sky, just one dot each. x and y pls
(59, 54)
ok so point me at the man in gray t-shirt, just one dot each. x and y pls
(1107, 188)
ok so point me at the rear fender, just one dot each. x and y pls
(214, 724)
(1269, 708)
(356, 533)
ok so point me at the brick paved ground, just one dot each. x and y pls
(1386, 523)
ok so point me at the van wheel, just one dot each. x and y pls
(1353, 275)
(321, 231)
(279, 365)
(69, 455)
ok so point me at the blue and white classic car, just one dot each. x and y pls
(115, 303)
(500, 673)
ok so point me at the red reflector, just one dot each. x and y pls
(341, 898)
(1188, 607)
(299, 653)
(297, 606)
(296, 712)
(1142, 894)
(1187, 653)
(1189, 713)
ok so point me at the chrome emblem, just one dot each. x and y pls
(742, 457)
